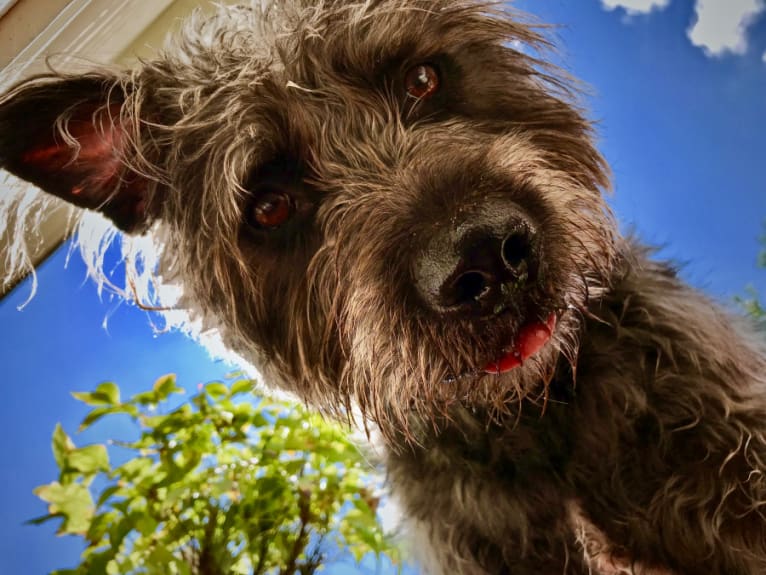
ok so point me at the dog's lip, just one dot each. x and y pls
(531, 338)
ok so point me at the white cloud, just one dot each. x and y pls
(721, 25)
(635, 6)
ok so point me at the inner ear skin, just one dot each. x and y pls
(63, 134)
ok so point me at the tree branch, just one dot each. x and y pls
(301, 540)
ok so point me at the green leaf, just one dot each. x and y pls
(40, 520)
(165, 385)
(145, 398)
(161, 556)
(93, 417)
(120, 529)
(242, 386)
(293, 467)
(72, 502)
(109, 391)
(96, 561)
(217, 390)
(62, 444)
(146, 525)
(106, 393)
(106, 494)
(135, 469)
(259, 420)
(90, 459)
(100, 412)
(296, 442)
(86, 397)
(99, 526)
(221, 487)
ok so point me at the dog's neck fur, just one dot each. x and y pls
(531, 493)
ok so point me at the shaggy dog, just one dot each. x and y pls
(395, 210)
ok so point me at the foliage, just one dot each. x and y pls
(225, 483)
(751, 302)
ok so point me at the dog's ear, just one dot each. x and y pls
(67, 135)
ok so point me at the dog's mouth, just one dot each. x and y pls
(530, 339)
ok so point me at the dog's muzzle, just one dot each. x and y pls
(485, 266)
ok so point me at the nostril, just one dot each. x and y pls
(516, 249)
(470, 286)
(481, 268)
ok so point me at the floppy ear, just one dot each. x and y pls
(65, 135)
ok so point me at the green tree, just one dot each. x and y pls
(228, 482)
(751, 301)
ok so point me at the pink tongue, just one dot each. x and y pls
(532, 337)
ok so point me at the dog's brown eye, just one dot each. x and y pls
(422, 81)
(271, 210)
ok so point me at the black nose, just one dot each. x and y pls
(479, 267)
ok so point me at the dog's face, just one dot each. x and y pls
(376, 202)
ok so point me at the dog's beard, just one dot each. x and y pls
(426, 370)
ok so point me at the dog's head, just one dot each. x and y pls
(386, 203)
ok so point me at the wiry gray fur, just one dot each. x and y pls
(633, 442)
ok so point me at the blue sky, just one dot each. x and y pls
(681, 119)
